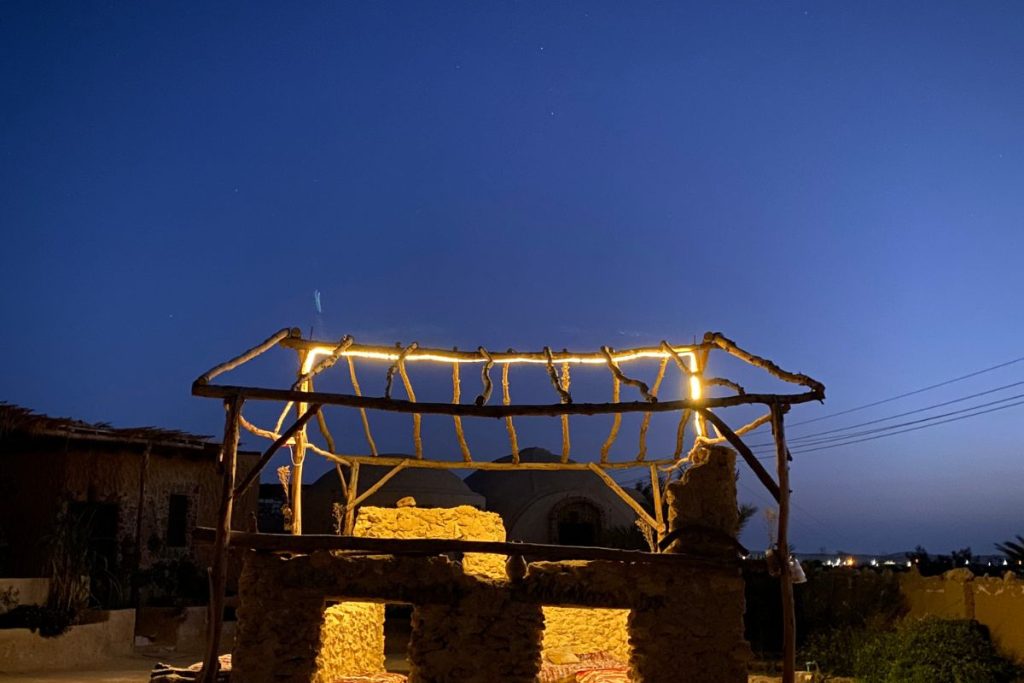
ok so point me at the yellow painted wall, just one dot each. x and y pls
(995, 602)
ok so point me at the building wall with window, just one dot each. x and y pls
(136, 500)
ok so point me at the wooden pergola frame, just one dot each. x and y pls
(316, 357)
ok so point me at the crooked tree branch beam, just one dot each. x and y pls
(723, 382)
(246, 356)
(749, 427)
(621, 377)
(280, 418)
(485, 378)
(353, 493)
(616, 420)
(379, 483)
(626, 498)
(684, 419)
(506, 399)
(674, 355)
(417, 419)
(258, 431)
(566, 445)
(563, 392)
(721, 341)
(254, 473)
(327, 362)
(322, 423)
(464, 410)
(310, 543)
(460, 434)
(341, 480)
(744, 450)
(646, 422)
(362, 411)
(656, 500)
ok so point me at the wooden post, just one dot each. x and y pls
(659, 516)
(299, 454)
(785, 576)
(700, 360)
(350, 504)
(218, 572)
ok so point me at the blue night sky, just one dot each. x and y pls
(837, 186)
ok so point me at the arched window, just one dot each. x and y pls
(576, 521)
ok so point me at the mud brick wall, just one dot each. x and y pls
(463, 522)
(685, 621)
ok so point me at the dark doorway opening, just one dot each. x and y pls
(577, 522)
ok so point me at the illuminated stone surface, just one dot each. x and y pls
(684, 622)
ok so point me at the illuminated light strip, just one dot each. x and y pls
(695, 385)
(414, 356)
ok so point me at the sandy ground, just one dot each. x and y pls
(133, 669)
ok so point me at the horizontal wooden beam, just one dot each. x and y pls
(439, 546)
(454, 356)
(496, 411)
(425, 464)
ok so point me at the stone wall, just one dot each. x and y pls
(351, 640)
(463, 522)
(583, 630)
(471, 624)
(995, 602)
(36, 483)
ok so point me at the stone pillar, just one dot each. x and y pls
(696, 631)
(482, 638)
(278, 628)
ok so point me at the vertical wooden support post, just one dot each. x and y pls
(785, 575)
(218, 572)
(659, 517)
(299, 453)
(350, 503)
(700, 360)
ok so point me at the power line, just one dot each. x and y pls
(813, 436)
(848, 435)
(909, 393)
(902, 431)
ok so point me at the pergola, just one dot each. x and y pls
(694, 403)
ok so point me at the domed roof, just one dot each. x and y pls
(509, 493)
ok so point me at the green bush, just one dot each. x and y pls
(934, 651)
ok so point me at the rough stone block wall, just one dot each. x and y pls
(685, 620)
(694, 634)
(278, 627)
(587, 629)
(351, 640)
(463, 522)
(483, 637)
